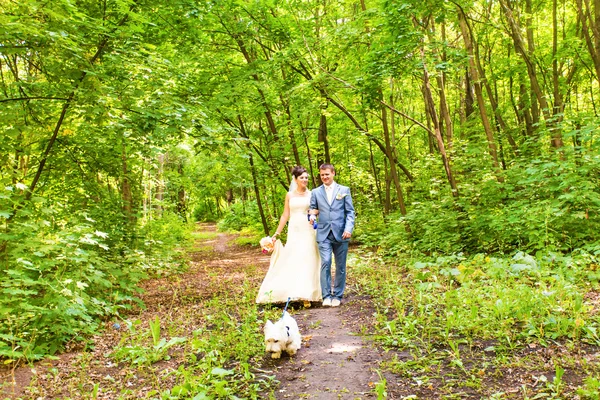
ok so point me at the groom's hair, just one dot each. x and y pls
(327, 166)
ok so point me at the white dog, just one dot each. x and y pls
(282, 336)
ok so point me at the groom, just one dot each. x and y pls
(336, 221)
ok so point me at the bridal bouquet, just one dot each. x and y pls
(267, 244)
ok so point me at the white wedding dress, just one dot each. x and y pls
(294, 270)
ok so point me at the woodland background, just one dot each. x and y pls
(464, 129)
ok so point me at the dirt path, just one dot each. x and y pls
(334, 363)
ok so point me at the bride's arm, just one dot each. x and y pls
(284, 217)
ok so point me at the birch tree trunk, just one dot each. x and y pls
(126, 192)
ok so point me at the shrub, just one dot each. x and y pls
(241, 215)
(542, 204)
(64, 272)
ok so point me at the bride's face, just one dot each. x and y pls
(302, 180)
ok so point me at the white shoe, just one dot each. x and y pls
(327, 302)
(335, 303)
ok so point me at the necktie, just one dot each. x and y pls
(329, 191)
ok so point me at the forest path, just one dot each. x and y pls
(334, 362)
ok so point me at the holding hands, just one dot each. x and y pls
(312, 217)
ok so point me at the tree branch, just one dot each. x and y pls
(101, 46)
(33, 98)
(375, 140)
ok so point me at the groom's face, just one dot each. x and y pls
(326, 176)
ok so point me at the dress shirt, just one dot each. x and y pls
(329, 190)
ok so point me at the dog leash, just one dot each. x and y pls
(287, 328)
(286, 306)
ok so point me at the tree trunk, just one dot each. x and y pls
(375, 173)
(492, 96)
(267, 110)
(523, 52)
(291, 133)
(527, 115)
(444, 109)
(535, 110)
(370, 136)
(387, 206)
(590, 27)
(181, 195)
(263, 218)
(126, 192)
(469, 101)
(313, 176)
(435, 122)
(390, 156)
(557, 141)
(323, 138)
(100, 48)
(160, 184)
(468, 40)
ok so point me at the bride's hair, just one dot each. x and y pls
(298, 170)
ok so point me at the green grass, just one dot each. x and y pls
(443, 311)
(219, 360)
(248, 237)
(203, 235)
(213, 349)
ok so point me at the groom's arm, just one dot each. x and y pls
(349, 209)
(313, 201)
(313, 205)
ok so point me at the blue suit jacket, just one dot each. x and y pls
(336, 217)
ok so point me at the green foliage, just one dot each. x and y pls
(542, 204)
(60, 279)
(444, 313)
(250, 237)
(137, 123)
(220, 355)
(239, 215)
(591, 390)
(206, 212)
(166, 232)
(64, 273)
(512, 300)
(239, 339)
(133, 349)
(95, 121)
(380, 388)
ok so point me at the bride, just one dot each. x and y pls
(294, 269)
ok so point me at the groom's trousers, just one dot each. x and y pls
(339, 250)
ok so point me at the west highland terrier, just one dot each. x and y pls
(282, 335)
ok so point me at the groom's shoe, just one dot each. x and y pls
(335, 303)
(327, 302)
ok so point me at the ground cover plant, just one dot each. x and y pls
(199, 336)
(479, 327)
(467, 132)
(65, 274)
(520, 327)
